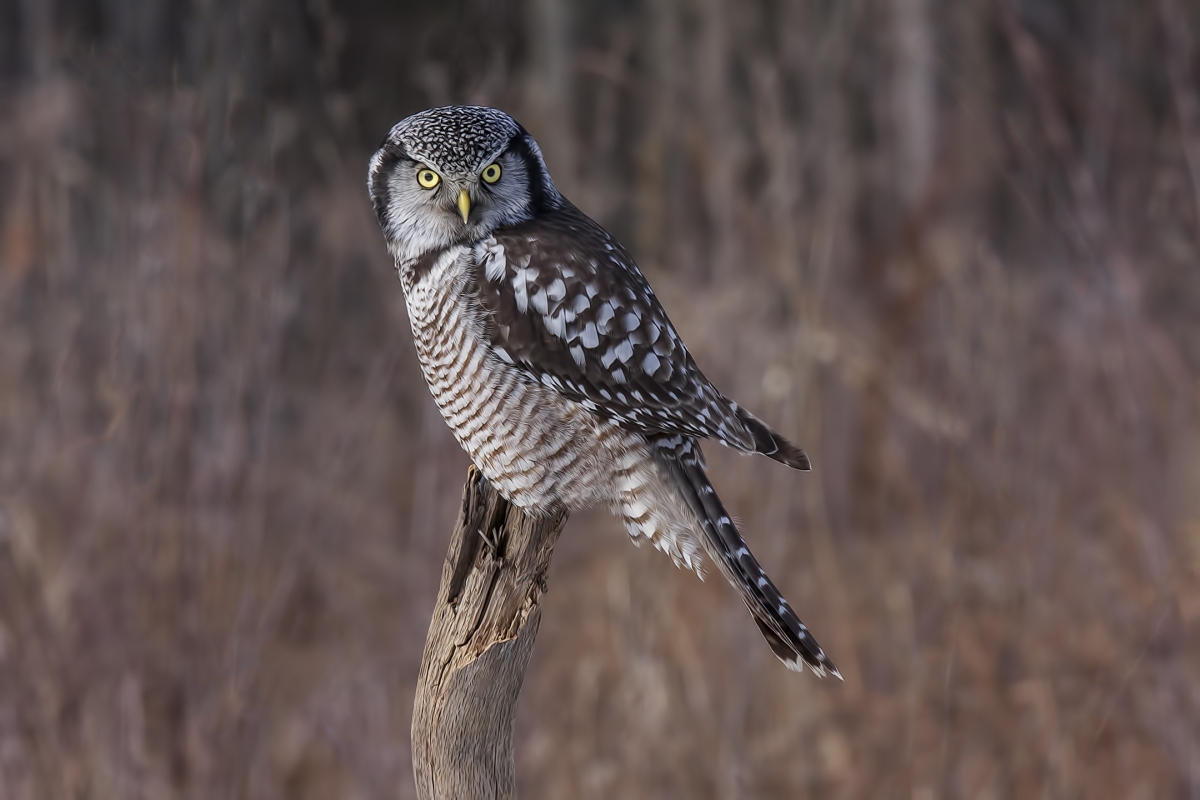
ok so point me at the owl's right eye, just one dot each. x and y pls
(428, 178)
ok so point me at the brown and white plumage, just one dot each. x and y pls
(551, 359)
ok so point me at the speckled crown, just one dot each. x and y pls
(455, 139)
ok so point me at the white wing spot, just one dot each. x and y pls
(519, 295)
(624, 351)
(650, 364)
(588, 337)
(555, 323)
(604, 315)
(494, 262)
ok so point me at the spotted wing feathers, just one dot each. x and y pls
(771, 444)
(565, 301)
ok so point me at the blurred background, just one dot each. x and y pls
(951, 247)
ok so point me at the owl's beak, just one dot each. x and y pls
(464, 204)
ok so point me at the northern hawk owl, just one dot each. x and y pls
(551, 359)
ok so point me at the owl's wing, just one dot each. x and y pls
(566, 303)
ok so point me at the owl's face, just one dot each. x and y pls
(454, 175)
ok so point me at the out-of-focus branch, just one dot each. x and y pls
(548, 96)
(914, 106)
(478, 646)
(1183, 91)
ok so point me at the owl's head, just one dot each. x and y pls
(452, 176)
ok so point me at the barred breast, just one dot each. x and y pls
(535, 447)
(539, 449)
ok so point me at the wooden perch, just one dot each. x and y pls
(478, 646)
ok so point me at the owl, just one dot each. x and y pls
(552, 361)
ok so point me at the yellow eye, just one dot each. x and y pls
(428, 178)
(491, 173)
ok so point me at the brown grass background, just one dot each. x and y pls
(951, 247)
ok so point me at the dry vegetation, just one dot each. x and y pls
(952, 247)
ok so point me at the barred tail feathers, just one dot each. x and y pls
(788, 637)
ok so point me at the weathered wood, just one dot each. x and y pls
(478, 646)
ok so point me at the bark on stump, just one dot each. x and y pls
(478, 646)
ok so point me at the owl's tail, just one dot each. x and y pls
(785, 633)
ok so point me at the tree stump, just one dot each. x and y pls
(478, 646)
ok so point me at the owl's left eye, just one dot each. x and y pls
(491, 173)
